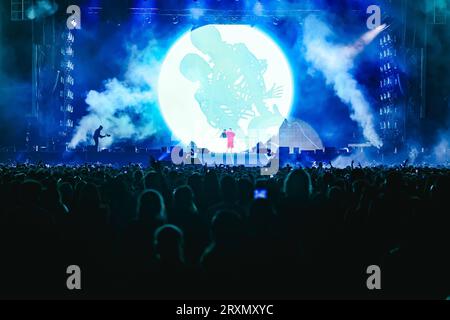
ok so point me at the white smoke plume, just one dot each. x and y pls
(42, 8)
(336, 62)
(441, 151)
(357, 158)
(126, 109)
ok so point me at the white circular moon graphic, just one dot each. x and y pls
(225, 77)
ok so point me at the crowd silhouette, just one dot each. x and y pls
(166, 232)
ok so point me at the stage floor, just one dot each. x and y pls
(124, 158)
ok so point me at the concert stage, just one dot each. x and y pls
(174, 73)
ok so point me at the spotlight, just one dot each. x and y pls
(70, 80)
(70, 65)
(70, 37)
(69, 51)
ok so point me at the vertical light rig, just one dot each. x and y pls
(66, 85)
(391, 106)
(18, 14)
(18, 9)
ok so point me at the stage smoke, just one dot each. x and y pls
(358, 158)
(43, 8)
(336, 61)
(126, 109)
(441, 151)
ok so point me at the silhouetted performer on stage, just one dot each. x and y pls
(97, 136)
(224, 134)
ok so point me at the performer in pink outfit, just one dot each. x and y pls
(230, 140)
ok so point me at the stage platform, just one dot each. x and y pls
(176, 156)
